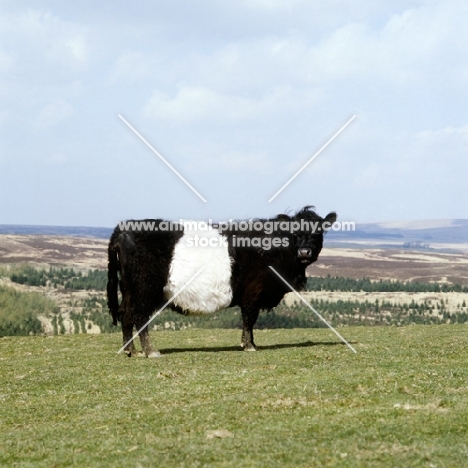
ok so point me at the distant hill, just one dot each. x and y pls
(74, 231)
(422, 234)
(407, 234)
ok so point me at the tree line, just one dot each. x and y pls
(338, 283)
(68, 278)
(339, 313)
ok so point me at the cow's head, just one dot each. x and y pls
(308, 242)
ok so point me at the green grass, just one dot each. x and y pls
(302, 400)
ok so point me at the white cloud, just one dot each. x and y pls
(196, 104)
(411, 47)
(426, 162)
(445, 153)
(78, 47)
(41, 39)
(131, 66)
(459, 135)
(288, 82)
(210, 158)
(53, 114)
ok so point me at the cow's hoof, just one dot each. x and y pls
(134, 353)
(250, 348)
(154, 354)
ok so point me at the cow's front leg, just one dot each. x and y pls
(146, 345)
(249, 317)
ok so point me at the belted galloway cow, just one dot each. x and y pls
(154, 261)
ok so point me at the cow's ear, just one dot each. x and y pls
(331, 217)
(328, 221)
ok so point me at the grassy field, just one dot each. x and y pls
(302, 400)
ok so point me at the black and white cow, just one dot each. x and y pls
(152, 264)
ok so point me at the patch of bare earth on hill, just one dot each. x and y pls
(396, 264)
(453, 301)
(82, 253)
(393, 264)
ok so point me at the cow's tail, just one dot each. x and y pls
(112, 277)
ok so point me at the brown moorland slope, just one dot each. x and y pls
(79, 252)
(375, 263)
(398, 264)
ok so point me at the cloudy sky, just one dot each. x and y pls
(237, 96)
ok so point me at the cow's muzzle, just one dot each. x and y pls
(304, 254)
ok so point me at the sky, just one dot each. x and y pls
(237, 96)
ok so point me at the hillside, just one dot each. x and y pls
(84, 310)
(392, 263)
(302, 400)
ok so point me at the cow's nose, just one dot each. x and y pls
(304, 252)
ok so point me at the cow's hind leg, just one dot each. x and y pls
(249, 317)
(146, 345)
(127, 331)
